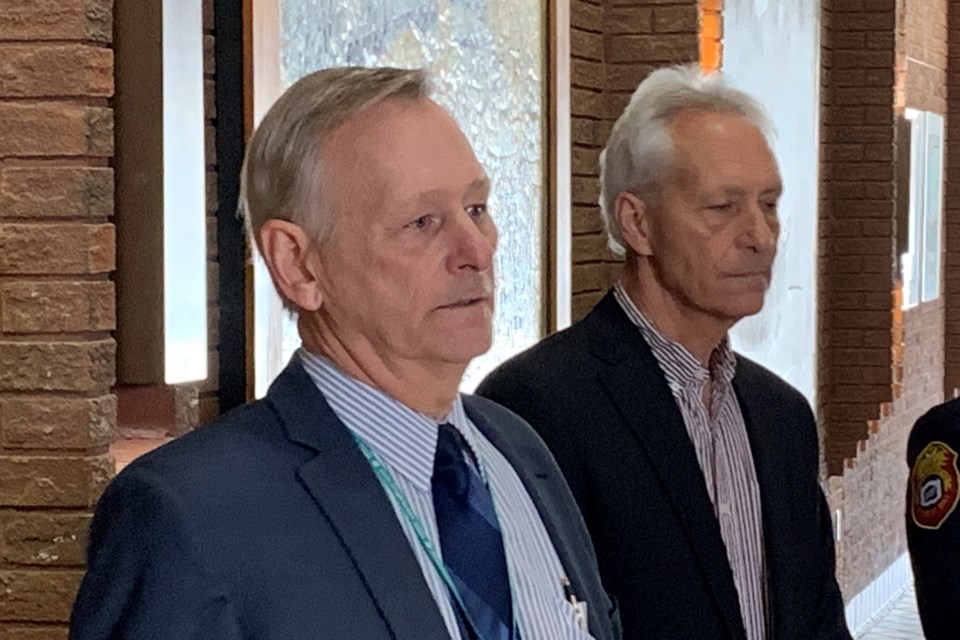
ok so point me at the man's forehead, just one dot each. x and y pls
(480, 185)
(722, 155)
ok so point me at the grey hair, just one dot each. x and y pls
(281, 174)
(637, 154)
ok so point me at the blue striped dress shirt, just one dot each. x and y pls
(405, 442)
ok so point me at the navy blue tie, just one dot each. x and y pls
(470, 541)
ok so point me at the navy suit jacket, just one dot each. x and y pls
(599, 399)
(270, 525)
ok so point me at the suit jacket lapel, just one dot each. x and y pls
(352, 500)
(637, 387)
(533, 479)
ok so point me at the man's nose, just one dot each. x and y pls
(474, 243)
(762, 230)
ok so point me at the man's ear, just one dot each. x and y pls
(293, 263)
(632, 214)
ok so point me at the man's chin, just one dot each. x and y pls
(464, 348)
(745, 310)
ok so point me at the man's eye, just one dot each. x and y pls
(420, 223)
(726, 206)
(770, 206)
(477, 210)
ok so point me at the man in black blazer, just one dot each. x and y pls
(364, 498)
(695, 469)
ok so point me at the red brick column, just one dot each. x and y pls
(614, 45)
(56, 301)
(856, 221)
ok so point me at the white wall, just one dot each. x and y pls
(772, 50)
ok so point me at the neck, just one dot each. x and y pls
(427, 386)
(697, 331)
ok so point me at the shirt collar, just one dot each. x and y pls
(680, 366)
(404, 439)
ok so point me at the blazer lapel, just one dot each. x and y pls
(352, 500)
(533, 479)
(638, 389)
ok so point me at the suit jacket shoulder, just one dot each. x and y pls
(941, 422)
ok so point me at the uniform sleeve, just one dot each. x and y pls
(143, 577)
(933, 526)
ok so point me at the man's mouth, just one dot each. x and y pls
(466, 302)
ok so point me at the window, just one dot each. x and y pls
(920, 264)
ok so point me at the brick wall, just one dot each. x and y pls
(614, 45)
(870, 487)
(56, 301)
(593, 266)
(856, 220)
(870, 491)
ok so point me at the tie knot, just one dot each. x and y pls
(449, 465)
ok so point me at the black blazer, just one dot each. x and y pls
(270, 525)
(598, 397)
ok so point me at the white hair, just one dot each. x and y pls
(637, 154)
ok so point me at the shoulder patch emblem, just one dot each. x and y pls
(934, 484)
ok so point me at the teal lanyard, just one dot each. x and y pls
(400, 500)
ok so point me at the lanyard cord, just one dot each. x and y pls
(400, 500)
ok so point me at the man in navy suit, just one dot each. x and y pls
(695, 469)
(364, 497)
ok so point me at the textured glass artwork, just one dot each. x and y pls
(486, 58)
(772, 50)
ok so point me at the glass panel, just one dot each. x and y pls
(933, 206)
(773, 51)
(488, 66)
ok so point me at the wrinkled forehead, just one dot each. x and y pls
(709, 150)
(400, 148)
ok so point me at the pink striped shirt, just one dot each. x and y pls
(719, 437)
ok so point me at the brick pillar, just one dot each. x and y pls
(857, 214)
(614, 45)
(951, 210)
(589, 131)
(57, 415)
